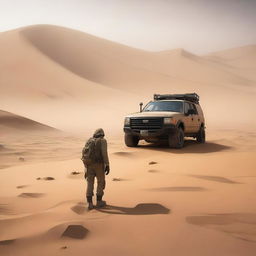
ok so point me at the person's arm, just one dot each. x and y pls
(104, 152)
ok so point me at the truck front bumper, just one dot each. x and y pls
(153, 133)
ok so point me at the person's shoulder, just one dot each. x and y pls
(103, 140)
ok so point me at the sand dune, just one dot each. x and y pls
(119, 66)
(61, 70)
(9, 121)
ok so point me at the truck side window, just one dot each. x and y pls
(186, 108)
(194, 107)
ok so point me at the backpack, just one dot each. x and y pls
(91, 152)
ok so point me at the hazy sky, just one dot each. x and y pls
(199, 26)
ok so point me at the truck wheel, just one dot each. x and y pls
(131, 141)
(201, 135)
(176, 140)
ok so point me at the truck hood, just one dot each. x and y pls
(154, 114)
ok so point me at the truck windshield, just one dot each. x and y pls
(172, 106)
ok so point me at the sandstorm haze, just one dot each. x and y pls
(69, 67)
(118, 53)
(199, 26)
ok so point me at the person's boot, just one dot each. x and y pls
(89, 201)
(100, 202)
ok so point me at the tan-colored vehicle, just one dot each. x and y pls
(169, 117)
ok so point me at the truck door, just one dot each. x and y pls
(195, 119)
(187, 118)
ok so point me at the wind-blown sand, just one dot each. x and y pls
(195, 201)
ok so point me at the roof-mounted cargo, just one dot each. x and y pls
(192, 97)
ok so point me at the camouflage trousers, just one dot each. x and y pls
(95, 170)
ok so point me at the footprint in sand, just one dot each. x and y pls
(76, 175)
(79, 208)
(119, 179)
(153, 171)
(22, 186)
(68, 230)
(76, 232)
(31, 195)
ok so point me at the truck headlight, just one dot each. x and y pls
(127, 121)
(168, 120)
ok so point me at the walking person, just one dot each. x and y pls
(96, 162)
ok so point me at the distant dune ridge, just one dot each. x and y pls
(46, 71)
(9, 121)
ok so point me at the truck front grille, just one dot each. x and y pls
(146, 123)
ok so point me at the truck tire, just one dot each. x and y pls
(201, 135)
(176, 140)
(131, 141)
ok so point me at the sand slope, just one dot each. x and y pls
(199, 194)
(11, 122)
(45, 70)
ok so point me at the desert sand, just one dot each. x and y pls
(57, 85)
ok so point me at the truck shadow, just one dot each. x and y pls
(190, 146)
(139, 209)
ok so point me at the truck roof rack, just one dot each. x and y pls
(192, 97)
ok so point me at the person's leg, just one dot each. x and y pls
(101, 183)
(90, 186)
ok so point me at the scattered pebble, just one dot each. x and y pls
(63, 247)
(22, 159)
(75, 173)
(48, 178)
(45, 178)
(152, 162)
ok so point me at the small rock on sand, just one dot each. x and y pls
(63, 247)
(45, 178)
(48, 178)
(76, 232)
(22, 159)
(152, 162)
(75, 173)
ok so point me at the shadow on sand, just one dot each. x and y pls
(238, 225)
(190, 146)
(177, 189)
(215, 178)
(139, 209)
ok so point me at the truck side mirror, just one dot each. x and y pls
(141, 104)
